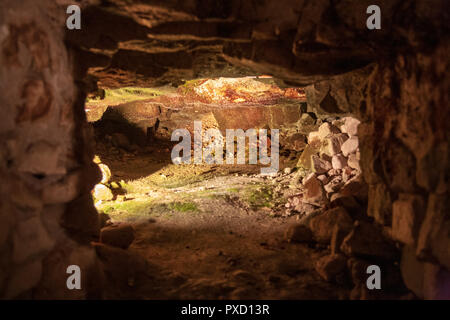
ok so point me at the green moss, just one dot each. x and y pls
(260, 197)
(183, 206)
(143, 209)
(126, 94)
(129, 208)
(233, 190)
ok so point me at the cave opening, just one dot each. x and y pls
(93, 176)
(193, 216)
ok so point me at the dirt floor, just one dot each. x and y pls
(209, 232)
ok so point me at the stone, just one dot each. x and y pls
(326, 129)
(305, 160)
(334, 185)
(24, 278)
(338, 235)
(106, 173)
(323, 178)
(407, 216)
(114, 185)
(314, 192)
(298, 233)
(53, 283)
(358, 270)
(353, 161)
(350, 126)
(391, 279)
(81, 217)
(102, 192)
(42, 158)
(332, 144)
(380, 204)
(287, 170)
(355, 187)
(319, 165)
(366, 241)
(329, 267)
(322, 225)
(347, 173)
(436, 158)
(30, 231)
(304, 208)
(306, 120)
(119, 235)
(350, 146)
(349, 203)
(313, 136)
(333, 172)
(436, 282)
(399, 168)
(309, 176)
(63, 191)
(6, 222)
(412, 270)
(338, 161)
(296, 141)
(427, 280)
(433, 242)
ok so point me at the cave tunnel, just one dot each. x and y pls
(231, 150)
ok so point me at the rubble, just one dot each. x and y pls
(350, 146)
(314, 192)
(324, 163)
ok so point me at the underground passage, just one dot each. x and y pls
(224, 150)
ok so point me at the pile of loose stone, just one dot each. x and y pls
(328, 167)
(331, 203)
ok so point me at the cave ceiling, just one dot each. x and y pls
(150, 43)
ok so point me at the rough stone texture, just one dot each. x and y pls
(434, 241)
(350, 126)
(407, 215)
(426, 280)
(332, 145)
(350, 146)
(121, 235)
(365, 240)
(102, 192)
(329, 267)
(320, 165)
(338, 161)
(323, 224)
(314, 192)
(46, 161)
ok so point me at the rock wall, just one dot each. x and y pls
(404, 156)
(46, 220)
